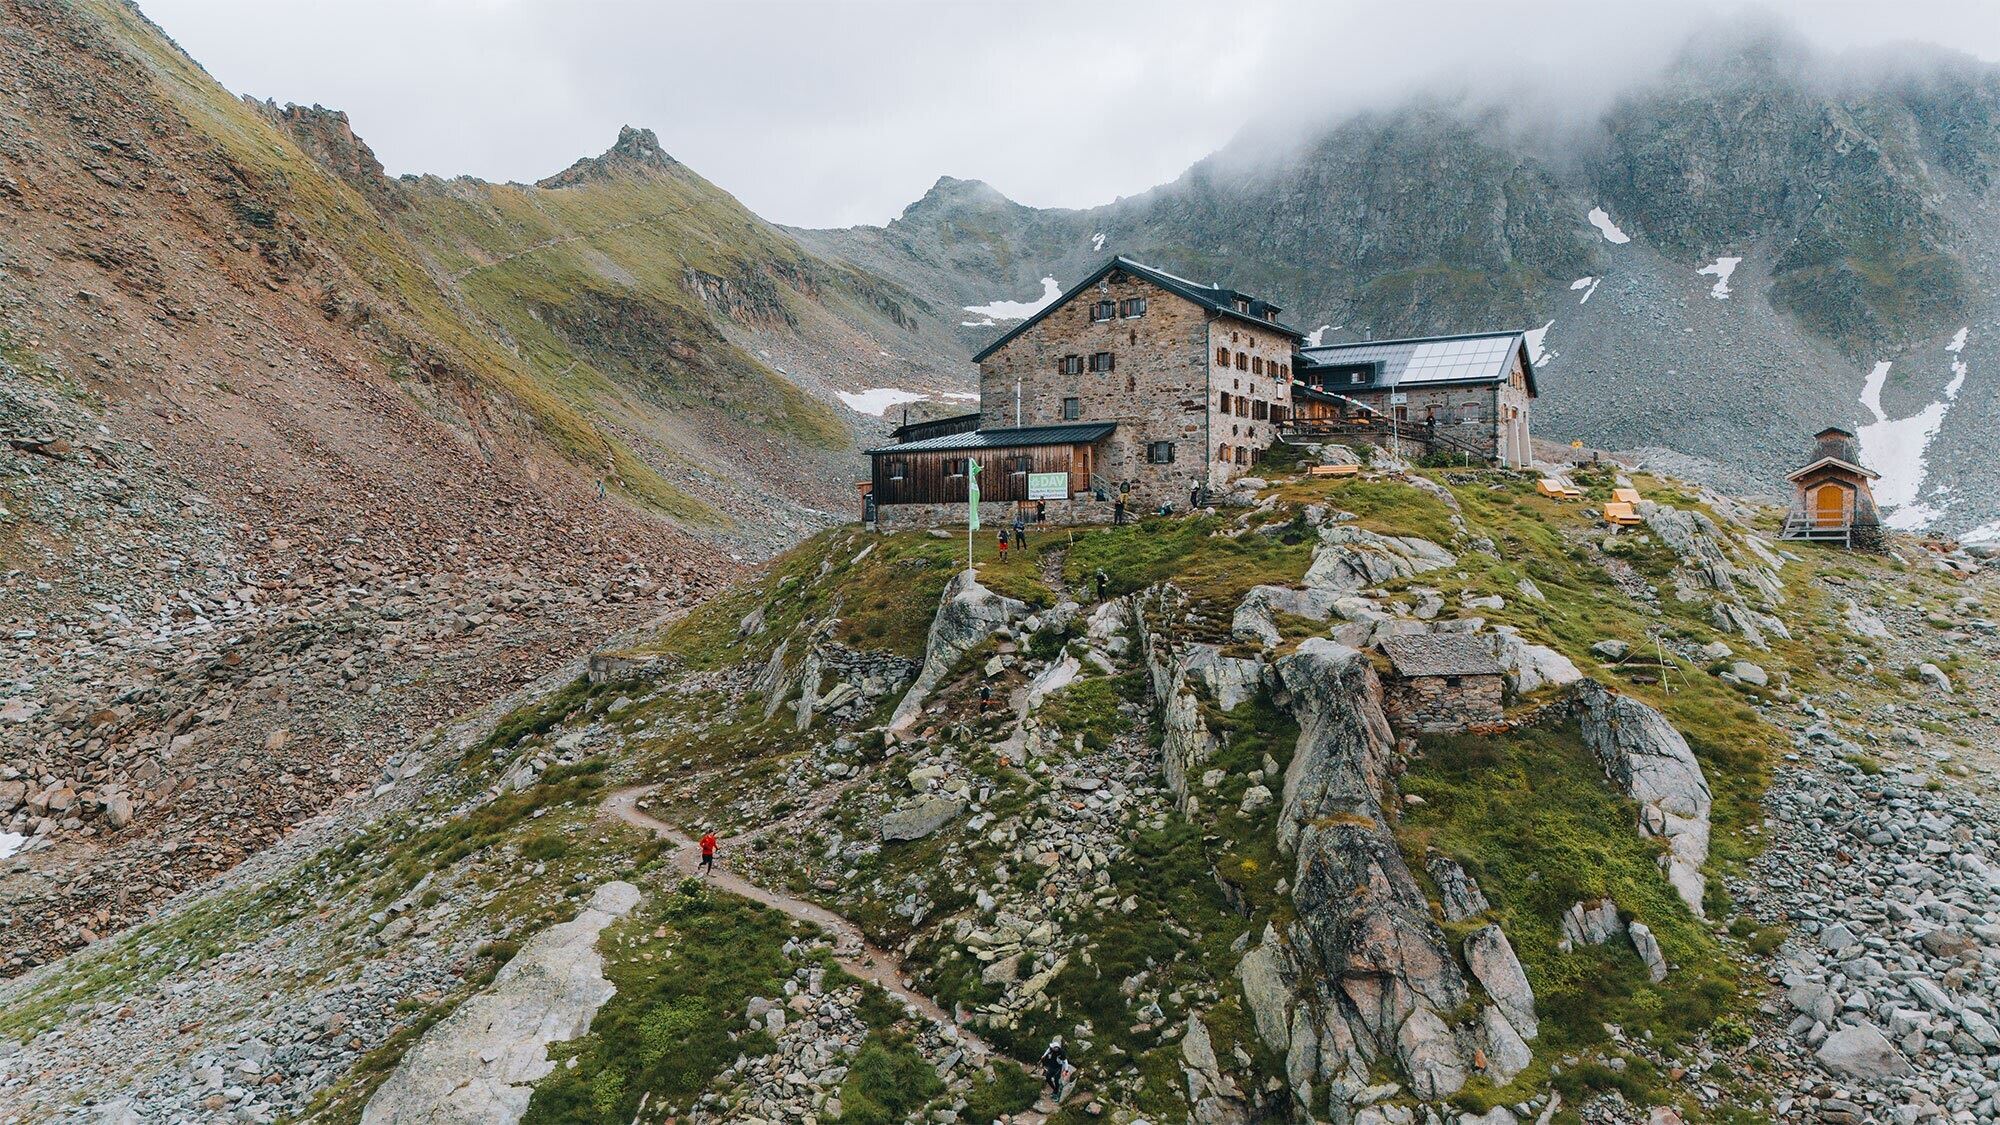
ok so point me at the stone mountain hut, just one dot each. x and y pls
(1442, 682)
(1832, 501)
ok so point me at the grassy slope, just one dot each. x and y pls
(517, 252)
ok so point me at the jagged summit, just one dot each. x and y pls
(952, 194)
(637, 150)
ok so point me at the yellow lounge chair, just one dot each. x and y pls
(1625, 495)
(1621, 513)
(1334, 471)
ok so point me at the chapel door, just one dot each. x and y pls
(1830, 506)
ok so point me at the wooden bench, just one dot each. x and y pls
(1621, 513)
(1334, 471)
(1625, 495)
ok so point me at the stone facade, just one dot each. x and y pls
(1444, 704)
(997, 514)
(1491, 417)
(1165, 385)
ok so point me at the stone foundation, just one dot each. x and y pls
(996, 514)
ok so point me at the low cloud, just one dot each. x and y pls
(825, 114)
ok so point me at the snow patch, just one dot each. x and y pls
(1607, 228)
(1957, 342)
(10, 842)
(983, 322)
(1097, 241)
(1984, 533)
(1896, 447)
(1588, 285)
(1019, 310)
(877, 400)
(1537, 354)
(1316, 335)
(1720, 269)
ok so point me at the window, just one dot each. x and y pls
(1103, 310)
(1100, 362)
(1402, 414)
(1222, 357)
(1021, 464)
(1357, 377)
(1243, 455)
(1131, 384)
(1135, 306)
(1072, 409)
(1278, 412)
(1225, 402)
(1260, 410)
(1160, 453)
(1242, 361)
(955, 466)
(1242, 407)
(898, 469)
(1257, 365)
(1469, 412)
(1284, 371)
(1072, 365)
(1222, 453)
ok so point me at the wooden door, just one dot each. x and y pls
(1830, 506)
(1079, 469)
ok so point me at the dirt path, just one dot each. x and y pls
(851, 950)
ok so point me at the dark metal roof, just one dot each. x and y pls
(1480, 357)
(1217, 299)
(958, 423)
(1441, 654)
(1072, 433)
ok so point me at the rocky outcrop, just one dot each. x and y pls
(1707, 568)
(1256, 620)
(1350, 558)
(968, 613)
(1647, 758)
(1458, 892)
(480, 1064)
(1363, 972)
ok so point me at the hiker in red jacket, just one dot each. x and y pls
(708, 851)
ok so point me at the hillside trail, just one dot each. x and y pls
(851, 950)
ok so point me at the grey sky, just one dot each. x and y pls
(824, 113)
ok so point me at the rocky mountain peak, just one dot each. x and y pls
(636, 150)
(950, 194)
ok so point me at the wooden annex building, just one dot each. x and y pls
(1023, 464)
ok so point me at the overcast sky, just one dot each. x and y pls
(832, 112)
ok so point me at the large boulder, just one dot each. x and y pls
(1530, 666)
(1458, 892)
(1646, 757)
(1491, 958)
(968, 613)
(1862, 1051)
(920, 817)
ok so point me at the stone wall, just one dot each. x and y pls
(1165, 385)
(996, 514)
(1443, 704)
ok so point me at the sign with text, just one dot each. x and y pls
(1048, 486)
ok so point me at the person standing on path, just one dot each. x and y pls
(1020, 531)
(1118, 512)
(1003, 544)
(1054, 1060)
(708, 852)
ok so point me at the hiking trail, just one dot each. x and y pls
(851, 950)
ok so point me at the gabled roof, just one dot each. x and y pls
(958, 422)
(1069, 433)
(1837, 463)
(1217, 299)
(1441, 654)
(1478, 357)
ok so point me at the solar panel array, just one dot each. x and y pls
(1444, 361)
